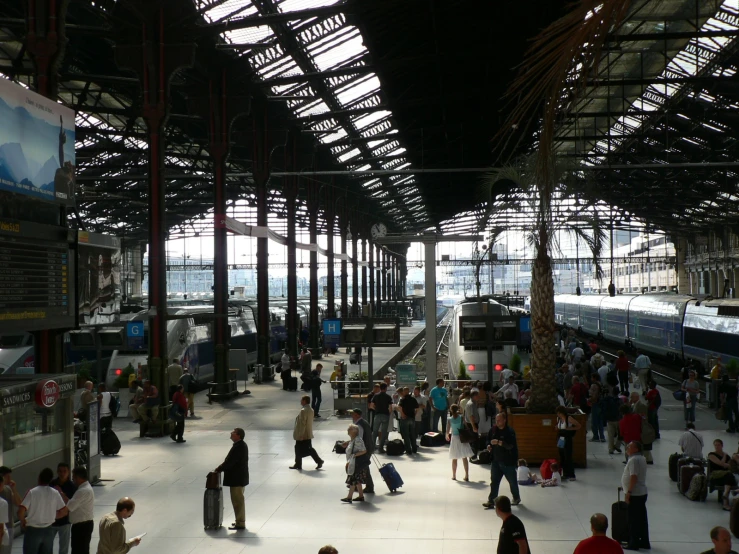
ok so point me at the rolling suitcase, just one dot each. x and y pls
(734, 518)
(292, 383)
(390, 475)
(213, 502)
(687, 472)
(672, 465)
(620, 520)
(109, 443)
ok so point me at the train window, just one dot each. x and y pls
(724, 343)
(11, 341)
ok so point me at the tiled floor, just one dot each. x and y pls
(298, 512)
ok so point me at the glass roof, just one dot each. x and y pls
(326, 42)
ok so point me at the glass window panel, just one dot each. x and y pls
(30, 432)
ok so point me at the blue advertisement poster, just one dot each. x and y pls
(37, 138)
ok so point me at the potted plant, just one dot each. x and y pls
(515, 364)
(732, 368)
(462, 374)
(84, 373)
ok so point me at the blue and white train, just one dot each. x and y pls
(673, 326)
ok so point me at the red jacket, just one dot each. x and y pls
(630, 428)
(622, 364)
(180, 399)
(651, 398)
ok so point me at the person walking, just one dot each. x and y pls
(622, 367)
(512, 538)
(112, 530)
(457, 448)
(654, 401)
(691, 389)
(408, 407)
(303, 436)
(5, 547)
(10, 493)
(567, 426)
(357, 465)
(178, 412)
(382, 404)
(504, 448)
(66, 488)
(39, 509)
(643, 365)
(721, 539)
(599, 543)
(174, 374)
(285, 372)
(81, 507)
(364, 433)
(315, 390)
(235, 470)
(188, 387)
(439, 399)
(634, 484)
(612, 416)
(471, 417)
(597, 422)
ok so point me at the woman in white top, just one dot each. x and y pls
(357, 464)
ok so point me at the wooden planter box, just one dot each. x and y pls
(536, 435)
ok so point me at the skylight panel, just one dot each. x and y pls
(298, 5)
(349, 155)
(341, 53)
(250, 35)
(242, 8)
(314, 108)
(367, 120)
(333, 137)
(347, 95)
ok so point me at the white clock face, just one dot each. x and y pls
(378, 230)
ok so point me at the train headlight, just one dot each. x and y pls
(117, 371)
(498, 367)
(471, 367)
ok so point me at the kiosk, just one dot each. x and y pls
(36, 423)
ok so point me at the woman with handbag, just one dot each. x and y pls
(357, 465)
(457, 448)
(567, 426)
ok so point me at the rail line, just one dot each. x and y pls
(444, 320)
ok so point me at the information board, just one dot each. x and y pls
(36, 277)
(406, 374)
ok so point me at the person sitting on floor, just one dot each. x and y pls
(556, 479)
(523, 474)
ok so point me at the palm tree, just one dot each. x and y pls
(542, 234)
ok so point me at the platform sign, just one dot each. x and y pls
(406, 374)
(135, 334)
(331, 333)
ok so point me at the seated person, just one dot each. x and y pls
(510, 401)
(556, 479)
(136, 400)
(523, 474)
(691, 442)
(151, 402)
(509, 386)
(720, 475)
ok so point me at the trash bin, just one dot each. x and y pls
(258, 373)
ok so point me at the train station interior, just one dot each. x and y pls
(414, 190)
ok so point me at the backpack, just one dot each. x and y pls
(697, 490)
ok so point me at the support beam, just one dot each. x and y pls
(314, 190)
(371, 272)
(291, 199)
(356, 311)
(330, 216)
(261, 177)
(430, 365)
(344, 284)
(364, 272)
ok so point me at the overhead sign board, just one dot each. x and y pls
(331, 333)
(489, 330)
(37, 139)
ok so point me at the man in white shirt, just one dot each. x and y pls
(603, 373)
(106, 416)
(393, 392)
(642, 364)
(577, 354)
(691, 442)
(422, 403)
(510, 386)
(81, 515)
(39, 509)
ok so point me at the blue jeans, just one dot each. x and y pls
(38, 540)
(439, 414)
(596, 422)
(498, 470)
(315, 402)
(64, 532)
(379, 427)
(689, 412)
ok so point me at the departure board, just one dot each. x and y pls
(36, 277)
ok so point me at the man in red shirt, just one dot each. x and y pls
(579, 391)
(654, 401)
(630, 425)
(598, 543)
(622, 367)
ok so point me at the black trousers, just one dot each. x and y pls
(623, 379)
(565, 459)
(81, 535)
(303, 449)
(179, 428)
(638, 523)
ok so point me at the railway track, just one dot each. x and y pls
(443, 326)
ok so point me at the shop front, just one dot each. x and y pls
(36, 423)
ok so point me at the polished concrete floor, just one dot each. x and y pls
(298, 512)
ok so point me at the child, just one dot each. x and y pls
(556, 479)
(524, 476)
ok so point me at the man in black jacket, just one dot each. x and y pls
(504, 448)
(235, 470)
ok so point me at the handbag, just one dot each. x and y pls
(176, 412)
(467, 435)
(679, 395)
(561, 442)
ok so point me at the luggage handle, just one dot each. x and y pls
(619, 493)
(377, 463)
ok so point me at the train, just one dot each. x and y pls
(475, 358)
(675, 327)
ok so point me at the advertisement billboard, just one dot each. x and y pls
(98, 278)
(37, 139)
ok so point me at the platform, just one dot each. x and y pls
(290, 511)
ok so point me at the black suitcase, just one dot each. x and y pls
(395, 447)
(291, 383)
(109, 443)
(620, 520)
(433, 439)
(213, 508)
(354, 358)
(672, 465)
